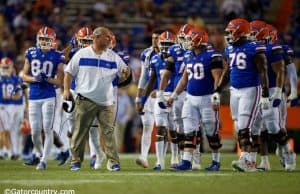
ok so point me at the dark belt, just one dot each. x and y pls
(83, 98)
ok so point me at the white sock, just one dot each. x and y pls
(94, 141)
(245, 155)
(196, 154)
(187, 156)
(215, 156)
(253, 156)
(174, 152)
(14, 136)
(265, 159)
(37, 142)
(47, 145)
(146, 141)
(160, 149)
(285, 148)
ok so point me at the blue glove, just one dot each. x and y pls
(276, 97)
(161, 100)
(73, 41)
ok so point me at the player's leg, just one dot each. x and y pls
(35, 121)
(247, 107)
(191, 120)
(96, 153)
(211, 124)
(48, 111)
(148, 124)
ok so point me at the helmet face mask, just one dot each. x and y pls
(166, 39)
(46, 38)
(196, 38)
(84, 42)
(182, 36)
(236, 29)
(258, 31)
(6, 67)
(84, 37)
(45, 43)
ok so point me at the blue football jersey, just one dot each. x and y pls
(8, 87)
(198, 67)
(71, 54)
(125, 57)
(177, 53)
(288, 52)
(157, 64)
(274, 53)
(146, 56)
(46, 63)
(243, 71)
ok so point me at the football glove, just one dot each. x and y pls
(161, 100)
(73, 42)
(215, 98)
(276, 97)
(293, 98)
(68, 105)
(265, 103)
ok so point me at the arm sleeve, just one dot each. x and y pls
(292, 76)
(217, 61)
(143, 77)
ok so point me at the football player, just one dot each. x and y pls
(175, 66)
(162, 115)
(11, 108)
(269, 120)
(249, 85)
(143, 105)
(15, 107)
(202, 71)
(43, 69)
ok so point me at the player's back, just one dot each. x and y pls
(43, 62)
(243, 71)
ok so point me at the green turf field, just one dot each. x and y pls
(135, 180)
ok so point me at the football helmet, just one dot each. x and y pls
(166, 39)
(6, 66)
(196, 37)
(84, 37)
(272, 33)
(258, 32)
(46, 38)
(236, 29)
(182, 33)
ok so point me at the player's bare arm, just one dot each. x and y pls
(58, 80)
(179, 88)
(26, 76)
(260, 61)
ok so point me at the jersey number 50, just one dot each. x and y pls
(195, 71)
(37, 67)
